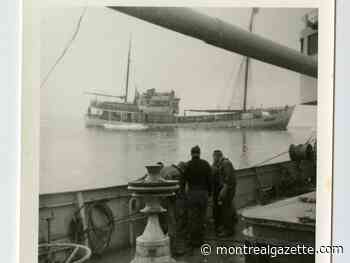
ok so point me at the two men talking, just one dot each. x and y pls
(200, 181)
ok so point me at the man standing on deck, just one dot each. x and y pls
(197, 177)
(224, 180)
(175, 220)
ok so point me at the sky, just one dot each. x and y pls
(203, 76)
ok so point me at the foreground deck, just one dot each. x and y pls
(126, 255)
(258, 186)
(288, 221)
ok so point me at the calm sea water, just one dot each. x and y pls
(74, 157)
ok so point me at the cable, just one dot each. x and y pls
(68, 45)
(274, 157)
(226, 88)
(310, 139)
(236, 82)
(99, 237)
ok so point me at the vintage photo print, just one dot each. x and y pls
(183, 133)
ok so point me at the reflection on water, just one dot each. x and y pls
(244, 159)
(74, 157)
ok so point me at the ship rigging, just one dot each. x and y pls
(154, 110)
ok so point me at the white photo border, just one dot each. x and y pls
(28, 188)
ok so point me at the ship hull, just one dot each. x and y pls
(258, 185)
(278, 121)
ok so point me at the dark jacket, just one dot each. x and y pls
(198, 175)
(224, 174)
(173, 172)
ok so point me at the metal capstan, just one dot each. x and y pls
(224, 35)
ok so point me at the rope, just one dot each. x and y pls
(270, 159)
(236, 83)
(68, 45)
(95, 234)
(99, 236)
(310, 139)
(65, 246)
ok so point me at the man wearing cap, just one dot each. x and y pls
(224, 180)
(198, 179)
(175, 221)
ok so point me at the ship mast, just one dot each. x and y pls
(246, 74)
(127, 74)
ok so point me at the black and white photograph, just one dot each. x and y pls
(178, 134)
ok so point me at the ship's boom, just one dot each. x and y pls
(224, 35)
(214, 111)
(104, 95)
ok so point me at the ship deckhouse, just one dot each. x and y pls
(158, 102)
(308, 46)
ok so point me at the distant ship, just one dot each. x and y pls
(159, 110)
(153, 110)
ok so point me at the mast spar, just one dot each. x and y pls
(246, 75)
(127, 74)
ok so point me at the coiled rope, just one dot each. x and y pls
(311, 139)
(98, 236)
